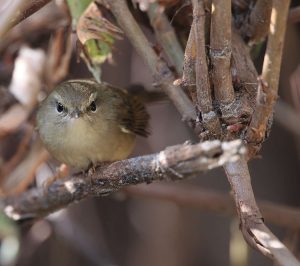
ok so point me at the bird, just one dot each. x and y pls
(83, 123)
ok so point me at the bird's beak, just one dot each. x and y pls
(76, 113)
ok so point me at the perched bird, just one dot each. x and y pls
(83, 123)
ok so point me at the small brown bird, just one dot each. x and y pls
(83, 122)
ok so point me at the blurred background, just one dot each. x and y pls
(125, 229)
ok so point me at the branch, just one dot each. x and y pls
(203, 90)
(294, 15)
(257, 28)
(159, 69)
(17, 11)
(189, 73)
(268, 86)
(216, 202)
(273, 55)
(220, 51)
(175, 162)
(257, 129)
(252, 226)
(166, 35)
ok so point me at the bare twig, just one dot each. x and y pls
(270, 77)
(242, 4)
(12, 119)
(159, 69)
(23, 174)
(252, 226)
(175, 162)
(272, 60)
(44, 21)
(258, 26)
(166, 35)
(17, 11)
(294, 15)
(217, 202)
(264, 107)
(203, 90)
(19, 154)
(15, 7)
(220, 51)
(189, 73)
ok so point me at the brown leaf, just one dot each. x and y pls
(93, 25)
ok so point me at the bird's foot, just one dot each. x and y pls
(61, 172)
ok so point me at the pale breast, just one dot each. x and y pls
(79, 144)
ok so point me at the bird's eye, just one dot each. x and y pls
(59, 107)
(93, 106)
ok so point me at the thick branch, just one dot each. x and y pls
(252, 226)
(159, 69)
(220, 51)
(216, 202)
(175, 162)
(166, 35)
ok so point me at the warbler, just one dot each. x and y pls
(83, 123)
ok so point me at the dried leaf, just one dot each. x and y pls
(96, 35)
(93, 25)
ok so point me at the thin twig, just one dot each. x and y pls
(252, 226)
(166, 35)
(15, 7)
(174, 163)
(264, 107)
(19, 154)
(44, 21)
(17, 11)
(159, 69)
(189, 73)
(216, 202)
(203, 90)
(294, 15)
(23, 174)
(259, 20)
(220, 51)
(273, 55)
(268, 89)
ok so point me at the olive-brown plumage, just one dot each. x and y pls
(83, 122)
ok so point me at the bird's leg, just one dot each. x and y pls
(61, 172)
(92, 169)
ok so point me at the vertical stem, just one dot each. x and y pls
(220, 51)
(202, 81)
(166, 35)
(203, 89)
(268, 86)
(189, 74)
(260, 20)
(159, 69)
(273, 56)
